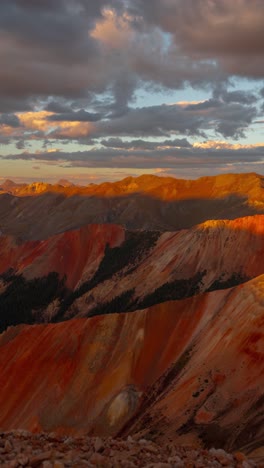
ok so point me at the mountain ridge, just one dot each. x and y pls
(99, 269)
(161, 187)
(160, 205)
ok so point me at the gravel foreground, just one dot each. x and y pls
(23, 449)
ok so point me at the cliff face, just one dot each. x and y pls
(103, 268)
(191, 369)
(39, 210)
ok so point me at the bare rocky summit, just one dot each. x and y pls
(48, 450)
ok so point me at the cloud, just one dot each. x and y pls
(112, 29)
(11, 104)
(72, 48)
(227, 119)
(35, 120)
(230, 32)
(72, 72)
(10, 120)
(145, 144)
(78, 116)
(72, 130)
(214, 116)
(48, 49)
(75, 49)
(219, 144)
(208, 154)
(239, 96)
(38, 125)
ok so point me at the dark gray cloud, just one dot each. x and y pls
(230, 119)
(58, 106)
(123, 91)
(156, 121)
(190, 158)
(9, 104)
(10, 120)
(55, 23)
(21, 145)
(240, 96)
(205, 105)
(227, 119)
(78, 116)
(46, 47)
(230, 32)
(144, 144)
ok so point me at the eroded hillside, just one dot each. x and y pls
(102, 269)
(98, 375)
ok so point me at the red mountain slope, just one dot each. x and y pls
(74, 253)
(103, 268)
(191, 369)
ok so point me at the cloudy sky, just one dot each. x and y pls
(98, 90)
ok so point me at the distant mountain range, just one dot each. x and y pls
(39, 210)
(135, 307)
(14, 188)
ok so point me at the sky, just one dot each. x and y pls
(100, 90)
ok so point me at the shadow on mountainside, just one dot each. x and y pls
(46, 214)
(131, 276)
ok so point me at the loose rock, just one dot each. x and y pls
(22, 449)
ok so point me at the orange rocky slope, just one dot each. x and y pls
(165, 188)
(103, 268)
(40, 210)
(191, 371)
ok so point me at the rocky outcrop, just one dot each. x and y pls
(191, 371)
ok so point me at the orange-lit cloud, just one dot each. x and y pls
(49, 150)
(53, 150)
(32, 122)
(36, 120)
(219, 144)
(113, 31)
(40, 121)
(6, 130)
(184, 104)
(73, 129)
